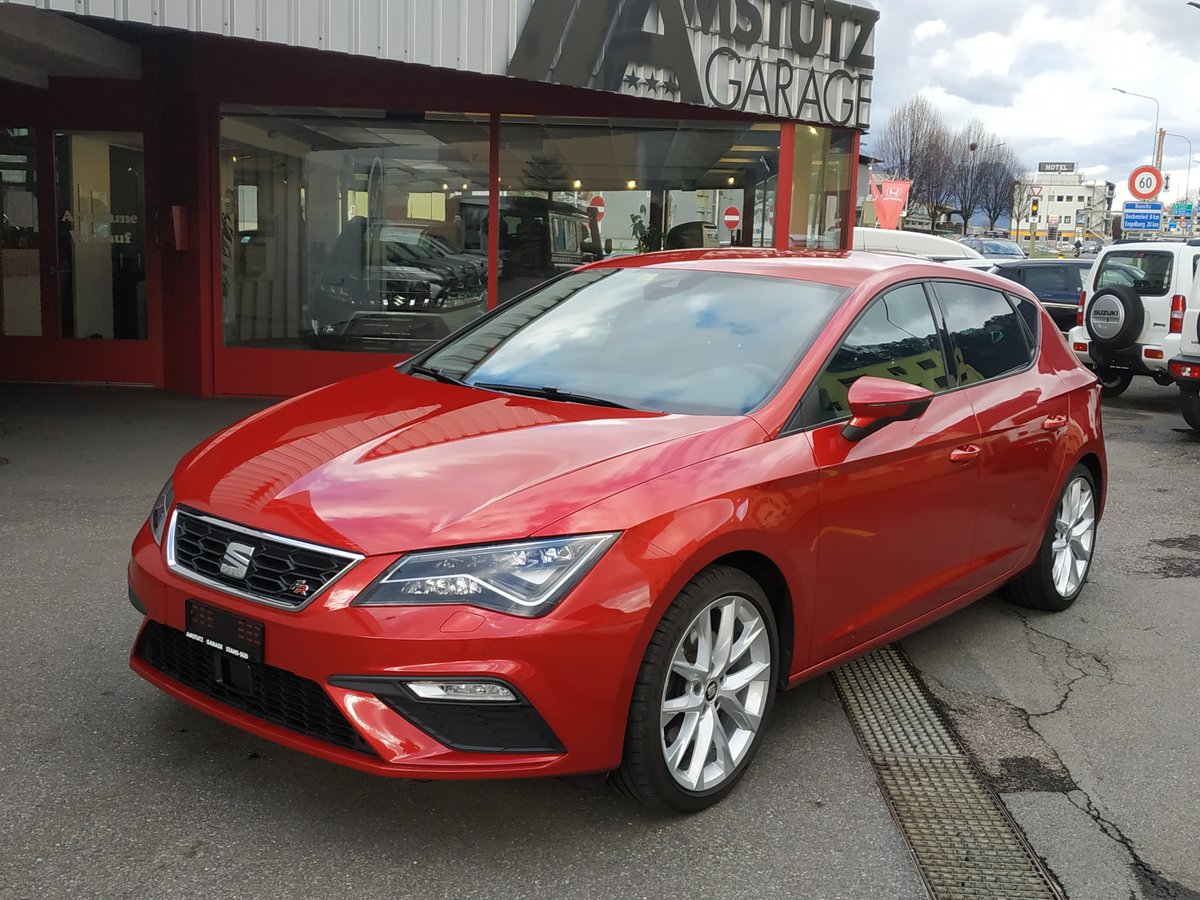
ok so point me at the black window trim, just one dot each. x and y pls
(795, 423)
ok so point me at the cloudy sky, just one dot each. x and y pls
(1041, 76)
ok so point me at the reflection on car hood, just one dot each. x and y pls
(387, 462)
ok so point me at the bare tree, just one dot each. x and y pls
(1003, 191)
(915, 145)
(968, 147)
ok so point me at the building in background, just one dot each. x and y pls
(1070, 206)
(259, 198)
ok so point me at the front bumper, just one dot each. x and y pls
(574, 669)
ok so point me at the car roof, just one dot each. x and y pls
(1024, 263)
(846, 269)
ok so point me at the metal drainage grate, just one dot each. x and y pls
(965, 844)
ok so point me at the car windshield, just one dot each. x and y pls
(675, 340)
(1001, 248)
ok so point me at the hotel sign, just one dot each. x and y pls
(1056, 167)
(811, 60)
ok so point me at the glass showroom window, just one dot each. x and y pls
(574, 190)
(821, 187)
(346, 229)
(20, 256)
(101, 218)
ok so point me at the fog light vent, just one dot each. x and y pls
(466, 691)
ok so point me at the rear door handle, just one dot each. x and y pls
(1053, 423)
(964, 454)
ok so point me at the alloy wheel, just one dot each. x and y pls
(716, 691)
(1074, 536)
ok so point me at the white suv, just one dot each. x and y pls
(1132, 310)
(1185, 368)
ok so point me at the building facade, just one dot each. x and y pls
(259, 198)
(1070, 206)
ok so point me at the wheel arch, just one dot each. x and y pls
(773, 583)
(1091, 462)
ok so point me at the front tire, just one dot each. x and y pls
(1058, 575)
(1189, 404)
(703, 694)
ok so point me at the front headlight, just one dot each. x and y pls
(527, 578)
(158, 514)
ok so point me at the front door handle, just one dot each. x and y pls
(965, 453)
(1053, 423)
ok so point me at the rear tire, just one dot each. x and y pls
(1113, 383)
(1057, 576)
(1189, 403)
(703, 694)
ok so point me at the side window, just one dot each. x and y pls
(985, 332)
(896, 338)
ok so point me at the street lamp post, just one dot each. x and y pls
(1157, 109)
(1187, 182)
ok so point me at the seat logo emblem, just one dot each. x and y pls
(236, 560)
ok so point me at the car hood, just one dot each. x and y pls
(387, 462)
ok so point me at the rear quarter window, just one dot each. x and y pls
(988, 336)
(1146, 271)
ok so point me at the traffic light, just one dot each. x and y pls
(1166, 182)
(1034, 207)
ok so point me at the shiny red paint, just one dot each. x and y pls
(861, 541)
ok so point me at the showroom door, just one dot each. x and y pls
(76, 302)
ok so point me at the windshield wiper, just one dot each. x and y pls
(550, 393)
(437, 375)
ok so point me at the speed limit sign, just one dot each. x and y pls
(1145, 182)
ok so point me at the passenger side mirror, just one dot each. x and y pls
(876, 402)
(608, 246)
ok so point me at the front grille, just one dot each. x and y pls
(272, 694)
(280, 571)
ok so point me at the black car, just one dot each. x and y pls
(381, 285)
(1056, 282)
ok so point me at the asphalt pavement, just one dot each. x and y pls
(1084, 720)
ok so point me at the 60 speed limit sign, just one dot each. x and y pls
(1145, 182)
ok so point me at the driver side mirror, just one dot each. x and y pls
(876, 402)
(608, 246)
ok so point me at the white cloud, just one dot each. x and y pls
(929, 29)
(1041, 77)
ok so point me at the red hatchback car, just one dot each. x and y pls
(599, 529)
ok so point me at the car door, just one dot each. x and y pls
(1058, 286)
(1021, 407)
(896, 508)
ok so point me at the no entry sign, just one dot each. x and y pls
(597, 203)
(732, 218)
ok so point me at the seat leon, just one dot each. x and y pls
(602, 527)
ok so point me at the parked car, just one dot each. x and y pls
(1132, 310)
(383, 285)
(918, 243)
(1185, 368)
(1056, 282)
(601, 527)
(993, 248)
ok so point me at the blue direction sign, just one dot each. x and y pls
(1142, 217)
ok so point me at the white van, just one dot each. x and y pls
(917, 243)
